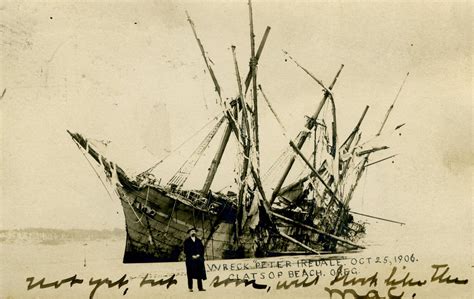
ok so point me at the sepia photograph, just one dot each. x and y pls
(236, 149)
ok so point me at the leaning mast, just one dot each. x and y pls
(301, 138)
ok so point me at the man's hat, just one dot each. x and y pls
(192, 229)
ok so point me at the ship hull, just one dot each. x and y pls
(157, 221)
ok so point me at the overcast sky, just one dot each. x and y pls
(119, 71)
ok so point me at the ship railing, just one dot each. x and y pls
(199, 201)
(190, 194)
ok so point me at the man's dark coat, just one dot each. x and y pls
(194, 267)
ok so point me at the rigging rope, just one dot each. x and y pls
(93, 168)
(276, 167)
(103, 184)
(146, 201)
(183, 172)
(284, 131)
(179, 146)
(133, 210)
(171, 217)
(363, 188)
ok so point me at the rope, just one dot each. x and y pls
(184, 171)
(276, 167)
(179, 146)
(93, 168)
(273, 111)
(194, 219)
(106, 189)
(146, 201)
(284, 131)
(202, 223)
(363, 188)
(171, 216)
(133, 210)
(325, 89)
(213, 228)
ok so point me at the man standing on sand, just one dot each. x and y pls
(194, 251)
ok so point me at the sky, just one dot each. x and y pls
(132, 73)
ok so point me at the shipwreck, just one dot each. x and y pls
(308, 215)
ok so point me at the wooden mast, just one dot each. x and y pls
(253, 68)
(347, 143)
(218, 156)
(257, 58)
(246, 143)
(301, 138)
(204, 56)
(334, 150)
(391, 106)
(225, 139)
